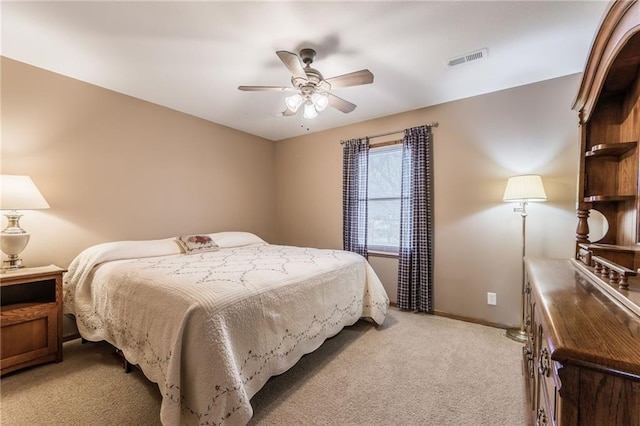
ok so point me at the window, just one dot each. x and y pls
(384, 181)
(383, 184)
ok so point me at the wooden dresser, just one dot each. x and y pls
(582, 360)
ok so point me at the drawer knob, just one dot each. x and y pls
(541, 418)
(544, 363)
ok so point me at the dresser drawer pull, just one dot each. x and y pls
(528, 353)
(541, 418)
(544, 363)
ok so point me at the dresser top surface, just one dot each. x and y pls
(584, 324)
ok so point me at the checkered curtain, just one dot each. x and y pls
(355, 170)
(415, 263)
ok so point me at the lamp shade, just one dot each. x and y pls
(525, 188)
(309, 111)
(294, 102)
(320, 101)
(20, 193)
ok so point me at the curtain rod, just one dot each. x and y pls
(434, 124)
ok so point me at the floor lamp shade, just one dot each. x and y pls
(522, 189)
(525, 188)
(17, 193)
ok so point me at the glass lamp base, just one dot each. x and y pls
(12, 263)
(13, 241)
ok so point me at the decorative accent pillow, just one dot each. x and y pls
(196, 243)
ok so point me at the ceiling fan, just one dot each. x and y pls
(313, 92)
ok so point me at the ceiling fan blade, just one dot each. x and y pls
(266, 88)
(293, 64)
(352, 79)
(340, 104)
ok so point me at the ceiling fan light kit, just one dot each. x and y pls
(320, 101)
(313, 104)
(309, 110)
(313, 91)
(294, 101)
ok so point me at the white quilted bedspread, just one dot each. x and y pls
(211, 328)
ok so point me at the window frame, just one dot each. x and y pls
(375, 249)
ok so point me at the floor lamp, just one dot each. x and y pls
(523, 189)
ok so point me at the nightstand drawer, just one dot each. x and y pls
(28, 332)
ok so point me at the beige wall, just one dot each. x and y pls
(480, 142)
(114, 167)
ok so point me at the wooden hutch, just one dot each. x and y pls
(582, 359)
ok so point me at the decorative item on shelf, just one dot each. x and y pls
(523, 189)
(17, 193)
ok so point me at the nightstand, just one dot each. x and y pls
(30, 317)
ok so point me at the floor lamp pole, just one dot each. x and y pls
(520, 335)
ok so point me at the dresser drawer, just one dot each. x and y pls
(547, 382)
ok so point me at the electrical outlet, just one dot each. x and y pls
(491, 298)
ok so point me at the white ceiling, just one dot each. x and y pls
(192, 56)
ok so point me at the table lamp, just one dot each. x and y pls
(17, 193)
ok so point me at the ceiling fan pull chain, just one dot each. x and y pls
(302, 123)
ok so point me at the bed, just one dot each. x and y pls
(210, 318)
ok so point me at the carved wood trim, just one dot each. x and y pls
(617, 274)
(619, 25)
(582, 229)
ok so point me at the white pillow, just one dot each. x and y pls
(236, 239)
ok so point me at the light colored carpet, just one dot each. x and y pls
(416, 369)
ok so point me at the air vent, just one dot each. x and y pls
(468, 57)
